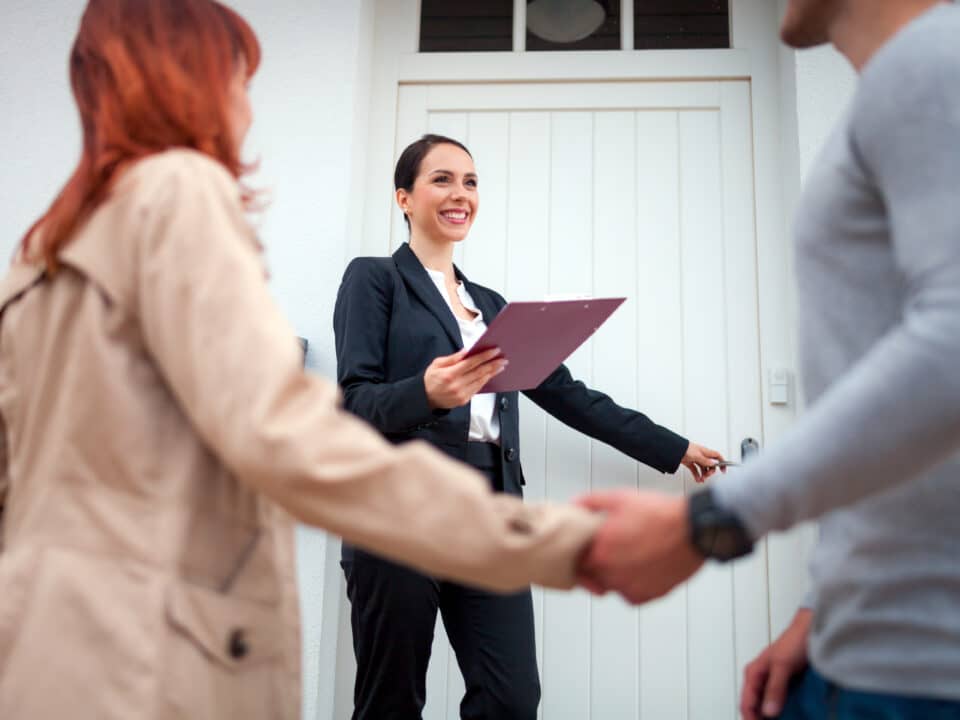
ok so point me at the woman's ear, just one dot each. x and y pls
(403, 201)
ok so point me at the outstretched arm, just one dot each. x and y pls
(227, 355)
(896, 413)
(632, 433)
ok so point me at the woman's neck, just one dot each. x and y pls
(434, 255)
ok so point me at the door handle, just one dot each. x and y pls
(748, 448)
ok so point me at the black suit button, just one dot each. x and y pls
(510, 454)
(237, 645)
(504, 403)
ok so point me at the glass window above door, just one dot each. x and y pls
(571, 25)
(671, 24)
(466, 25)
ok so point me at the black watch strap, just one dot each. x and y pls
(716, 533)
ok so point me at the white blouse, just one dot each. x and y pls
(484, 422)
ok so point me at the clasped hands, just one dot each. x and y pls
(643, 550)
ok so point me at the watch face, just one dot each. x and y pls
(705, 533)
(726, 544)
(717, 533)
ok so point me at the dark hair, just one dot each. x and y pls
(408, 166)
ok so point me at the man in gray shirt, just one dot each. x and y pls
(877, 455)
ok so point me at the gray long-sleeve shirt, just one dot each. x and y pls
(876, 455)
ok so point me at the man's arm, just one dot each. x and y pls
(767, 679)
(896, 413)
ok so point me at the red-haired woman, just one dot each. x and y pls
(157, 433)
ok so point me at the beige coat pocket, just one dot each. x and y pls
(224, 657)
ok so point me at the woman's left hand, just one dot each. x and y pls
(701, 461)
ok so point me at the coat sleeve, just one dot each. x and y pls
(227, 354)
(4, 475)
(595, 414)
(361, 321)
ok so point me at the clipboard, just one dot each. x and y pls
(536, 337)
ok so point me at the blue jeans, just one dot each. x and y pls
(813, 697)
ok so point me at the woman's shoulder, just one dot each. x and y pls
(182, 161)
(179, 171)
(370, 269)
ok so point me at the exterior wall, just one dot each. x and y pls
(825, 84)
(39, 130)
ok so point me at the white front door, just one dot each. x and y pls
(641, 189)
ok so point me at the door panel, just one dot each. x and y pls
(565, 636)
(615, 254)
(641, 189)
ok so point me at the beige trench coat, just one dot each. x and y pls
(158, 440)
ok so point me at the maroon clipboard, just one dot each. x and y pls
(536, 337)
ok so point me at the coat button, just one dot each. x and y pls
(237, 645)
(510, 454)
(504, 403)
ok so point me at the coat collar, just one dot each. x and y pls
(416, 277)
(19, 278)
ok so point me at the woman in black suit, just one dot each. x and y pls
(402, 324)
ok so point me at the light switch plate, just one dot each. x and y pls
(778, 386)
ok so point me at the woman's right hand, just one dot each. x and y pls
(452, 381)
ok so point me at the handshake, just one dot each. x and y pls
(643, 548)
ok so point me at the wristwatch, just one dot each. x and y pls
(715, 532)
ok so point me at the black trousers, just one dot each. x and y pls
(393, 614)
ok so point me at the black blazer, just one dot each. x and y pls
(390, 322)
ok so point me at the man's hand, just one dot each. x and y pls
(452, 380)
(701, 461)
(642, 550)
(765, 680)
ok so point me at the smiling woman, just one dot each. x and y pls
(450, 166)
(402, 325)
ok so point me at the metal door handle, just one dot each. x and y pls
(748, 448)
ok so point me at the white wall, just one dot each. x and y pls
(309, 101)
(825, 85)
(39, 128)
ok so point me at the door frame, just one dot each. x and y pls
(756, 56)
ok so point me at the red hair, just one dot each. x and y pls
(147, 77)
